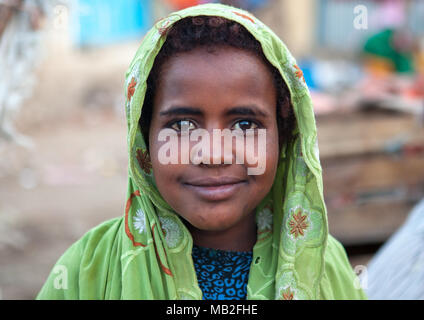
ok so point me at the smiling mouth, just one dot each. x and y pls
(215, 188)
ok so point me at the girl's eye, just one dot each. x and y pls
(245, 124)
(180, 124)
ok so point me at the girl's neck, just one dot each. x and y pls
(241, 237)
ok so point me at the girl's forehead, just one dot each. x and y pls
(221, 70)
(223, 56)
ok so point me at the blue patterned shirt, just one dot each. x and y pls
(222, 275)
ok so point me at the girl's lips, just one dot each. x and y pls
(216, 193)
(215, 189)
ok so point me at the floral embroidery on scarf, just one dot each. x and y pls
(250, 19)
(264, 220)
(131, 81)
(143, 159)
(127, 210)
(299, 73)
(288, 294)
(298, 223)
(300, 218)
(131, 88)
(295, 78)
(289, 287)
(163, 267)
(140, 221)
(163, 30)
(164, 24)
(171, 231)
(244, 16)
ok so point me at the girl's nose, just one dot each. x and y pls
(222, 148)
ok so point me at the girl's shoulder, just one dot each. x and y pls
(339, 281)
(93, 251)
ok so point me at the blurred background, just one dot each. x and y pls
(63, 159)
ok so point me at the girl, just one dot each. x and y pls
(210, 230)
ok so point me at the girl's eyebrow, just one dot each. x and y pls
(181, 110)
(246, 111)
(194, 111)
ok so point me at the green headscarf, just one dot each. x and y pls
(146, 254)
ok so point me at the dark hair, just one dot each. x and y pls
(211, 32)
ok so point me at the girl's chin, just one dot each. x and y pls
(214, 221)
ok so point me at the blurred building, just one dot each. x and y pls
(102, 22)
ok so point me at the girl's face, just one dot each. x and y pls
(227, 89)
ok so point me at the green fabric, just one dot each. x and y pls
(146, 254)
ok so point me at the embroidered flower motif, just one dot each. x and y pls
(264, 220)
(171, 231)
(288, 294)
(299, 73)
(143, 159)
(288, 287)
(296, 79)
(298, 223)
(140, 221)
(131, 88)
(244, 16)
(164, 24)
(164, 29)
